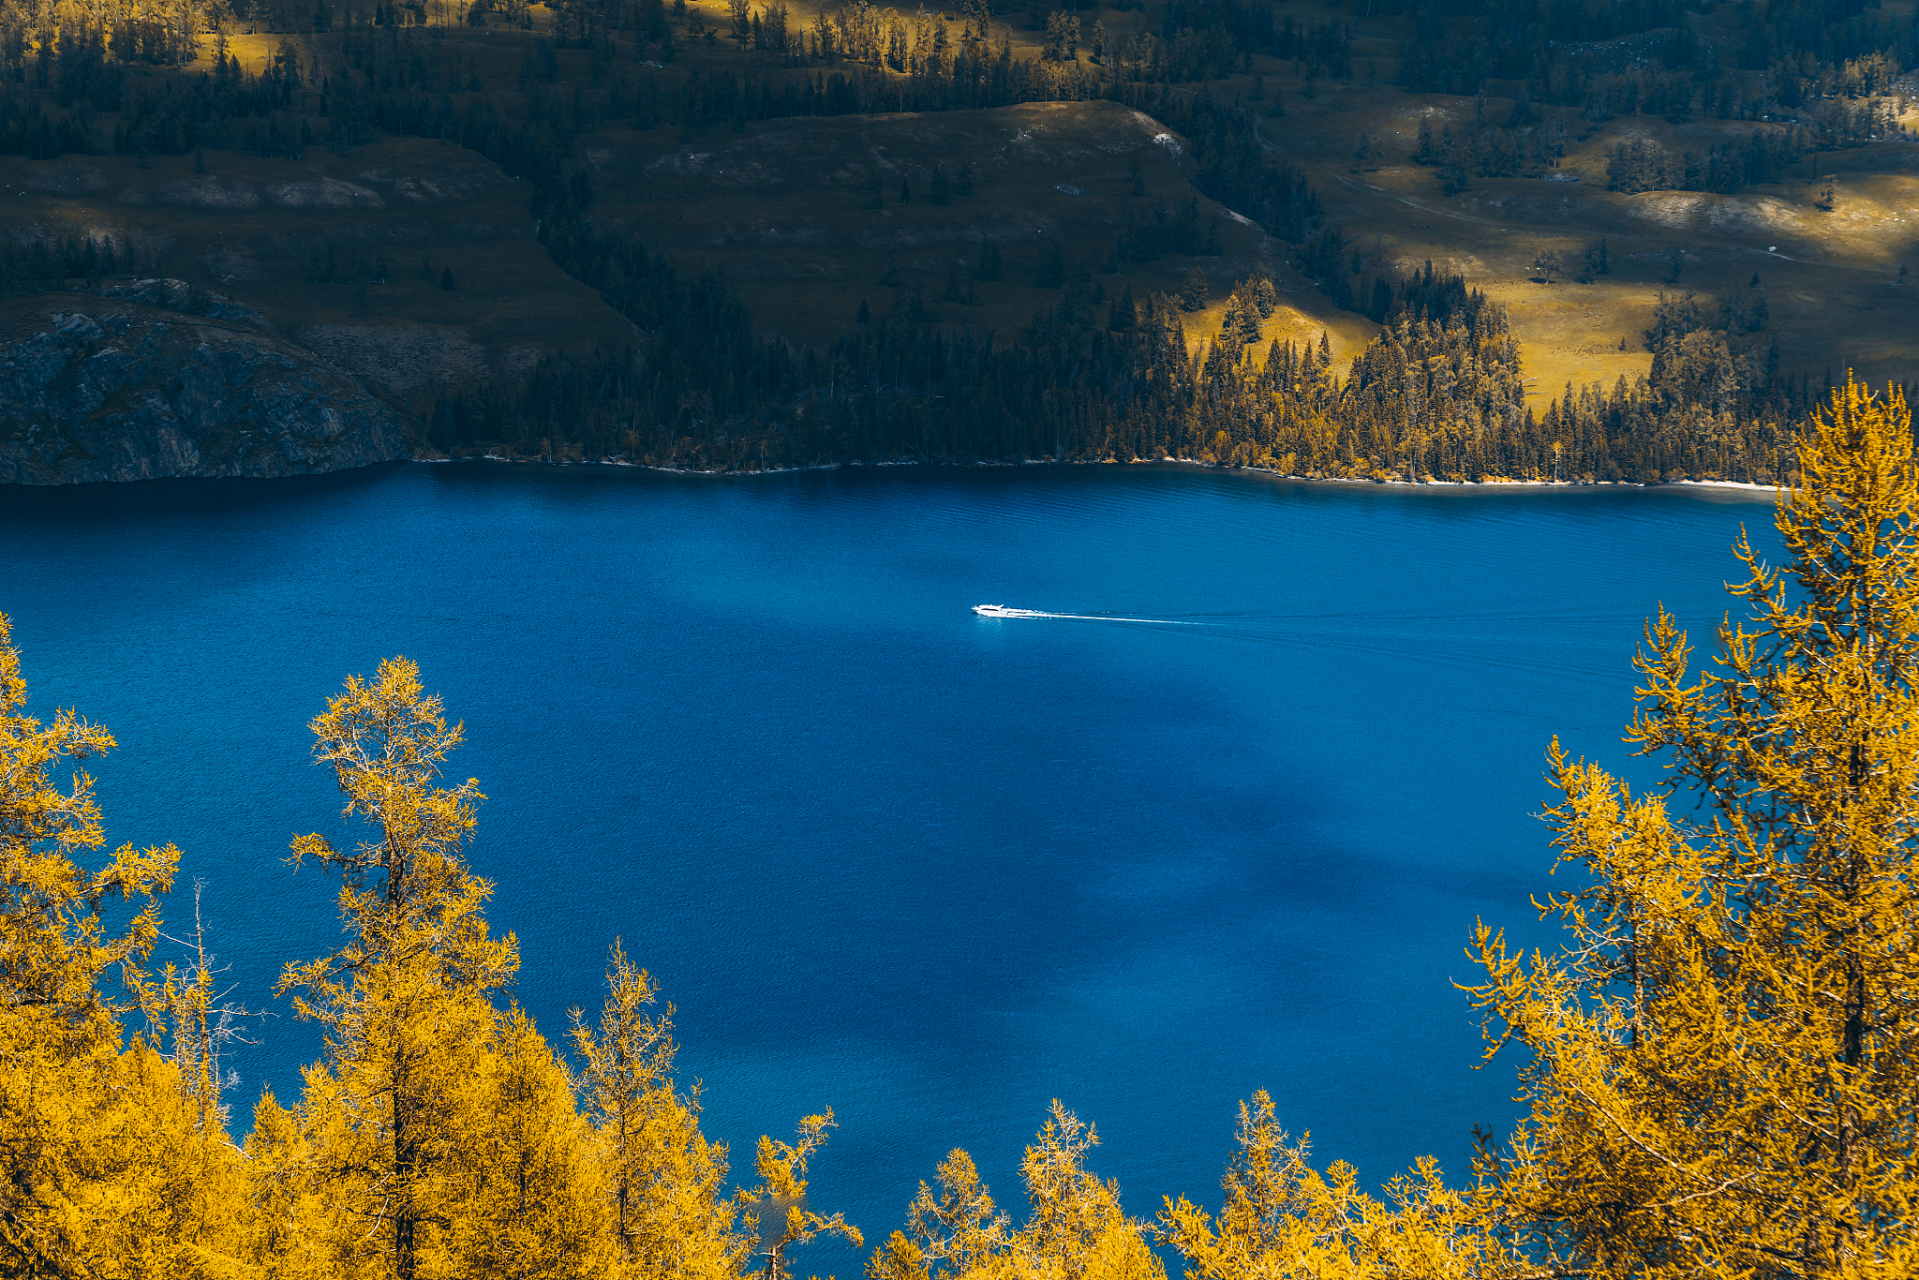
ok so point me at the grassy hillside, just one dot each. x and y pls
(346, 255)
(1831, 278)
(806, 218)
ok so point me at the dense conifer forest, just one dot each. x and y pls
(1715, 1068)
(1438, 394)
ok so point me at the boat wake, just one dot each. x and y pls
(1499, 640)
(1002, 611)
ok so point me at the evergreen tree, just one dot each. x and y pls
(1725, 1055)
(1051, 273)
(110, 1163)
(989, 267)
(778, 1205)
(1075, 1227)
(391, 1115)
(1194, 291)
(663, 1178)
(1282, 1217)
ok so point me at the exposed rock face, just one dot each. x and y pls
(177, 295)
(108, 389)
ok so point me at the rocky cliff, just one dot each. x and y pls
(162, 380)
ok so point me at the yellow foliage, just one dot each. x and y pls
(960, 1227)
(108, 1167)
(534, 1206)
(1725, 1057)
(158, 1189)
(778, 1204)
(1284, 1220)
(670, 1216)
(443, 1137)
(55, 945)
(390, 1178)
(285, 1201)
(1075, 1229)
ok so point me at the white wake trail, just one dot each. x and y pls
(1002, 611)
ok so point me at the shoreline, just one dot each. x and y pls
(1728, 487)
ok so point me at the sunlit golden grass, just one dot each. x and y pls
(1827, 276)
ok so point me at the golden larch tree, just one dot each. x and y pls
(534, 1208)
(957, 1231)
(1075, 1229)
(1724, 1060)
(110, 1167)
(1283, 1219)
(665, 1183)
(406, 1002)
(778, 1205)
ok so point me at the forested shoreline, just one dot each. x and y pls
(1437, 396)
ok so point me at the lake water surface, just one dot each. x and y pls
(928, 869)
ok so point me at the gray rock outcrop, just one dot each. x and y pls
(98, 388)
(167, 294)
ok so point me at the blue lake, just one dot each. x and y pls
(926, 868)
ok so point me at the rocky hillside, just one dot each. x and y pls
(156, 379)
